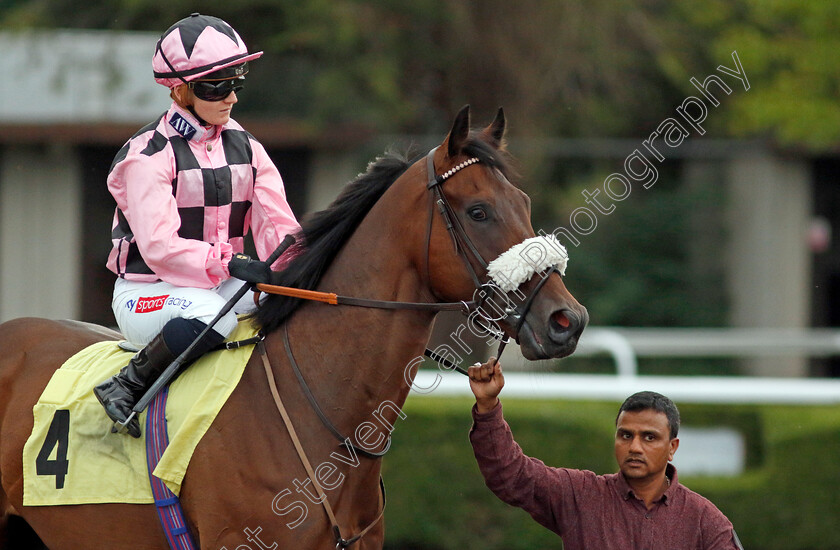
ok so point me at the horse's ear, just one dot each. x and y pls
(460, 131)
(495, 133)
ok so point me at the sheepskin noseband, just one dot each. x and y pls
(522, 261)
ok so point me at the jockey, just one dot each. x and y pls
(189, 187)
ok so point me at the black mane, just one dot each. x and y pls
(324, 233)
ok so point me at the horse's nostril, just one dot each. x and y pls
(560, 319)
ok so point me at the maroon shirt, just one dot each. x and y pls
(595, 512)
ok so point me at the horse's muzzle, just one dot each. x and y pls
(555, 337)
(565, 327)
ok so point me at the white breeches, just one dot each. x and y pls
(142, 309)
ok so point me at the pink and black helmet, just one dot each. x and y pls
(197, 46)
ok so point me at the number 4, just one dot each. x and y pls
(57, 435)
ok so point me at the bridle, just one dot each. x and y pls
(460, 240)
(464, 248)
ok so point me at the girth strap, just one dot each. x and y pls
(341, 542)
(167, 504)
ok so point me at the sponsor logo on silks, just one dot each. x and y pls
(183, 303)
(182, 126)
(130, 304)
(151, 303)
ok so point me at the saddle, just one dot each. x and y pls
(71, 456)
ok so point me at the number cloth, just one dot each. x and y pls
(103, 467)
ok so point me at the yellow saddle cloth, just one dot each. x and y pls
(73, 458)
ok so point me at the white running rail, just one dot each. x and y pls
(624, 345)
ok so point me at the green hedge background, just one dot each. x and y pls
(787, 498)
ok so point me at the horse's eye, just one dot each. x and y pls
(478, 213)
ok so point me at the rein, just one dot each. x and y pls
(339, 300)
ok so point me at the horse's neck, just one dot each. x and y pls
(360, 357)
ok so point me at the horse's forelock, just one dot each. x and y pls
(489, 155)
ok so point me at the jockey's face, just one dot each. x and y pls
(215, 112)
(212, 112)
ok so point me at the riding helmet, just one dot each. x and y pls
(197, 46)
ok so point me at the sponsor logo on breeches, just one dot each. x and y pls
(156, 303)
(151, 303)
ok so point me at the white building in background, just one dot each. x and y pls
(58, 80)
(79, 77)
(70, 99)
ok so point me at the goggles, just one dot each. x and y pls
(216, 90)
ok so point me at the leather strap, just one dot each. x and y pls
(340, 541)
(460, 239)
(527, 305)
(338, 300)
(317, 408)
(423, 306)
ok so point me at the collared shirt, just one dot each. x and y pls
(595, 512)
(187, 196)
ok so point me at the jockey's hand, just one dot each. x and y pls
(486, 382)
(251, 271)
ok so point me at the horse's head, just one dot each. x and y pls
(478, 218)
(475, 243)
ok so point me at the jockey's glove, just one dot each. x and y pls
(251, 271)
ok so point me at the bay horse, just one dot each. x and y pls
(386, 238)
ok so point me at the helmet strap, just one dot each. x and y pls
(168, 64)
(200, 120)
(190, 108)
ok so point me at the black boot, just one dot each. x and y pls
(121, 392)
